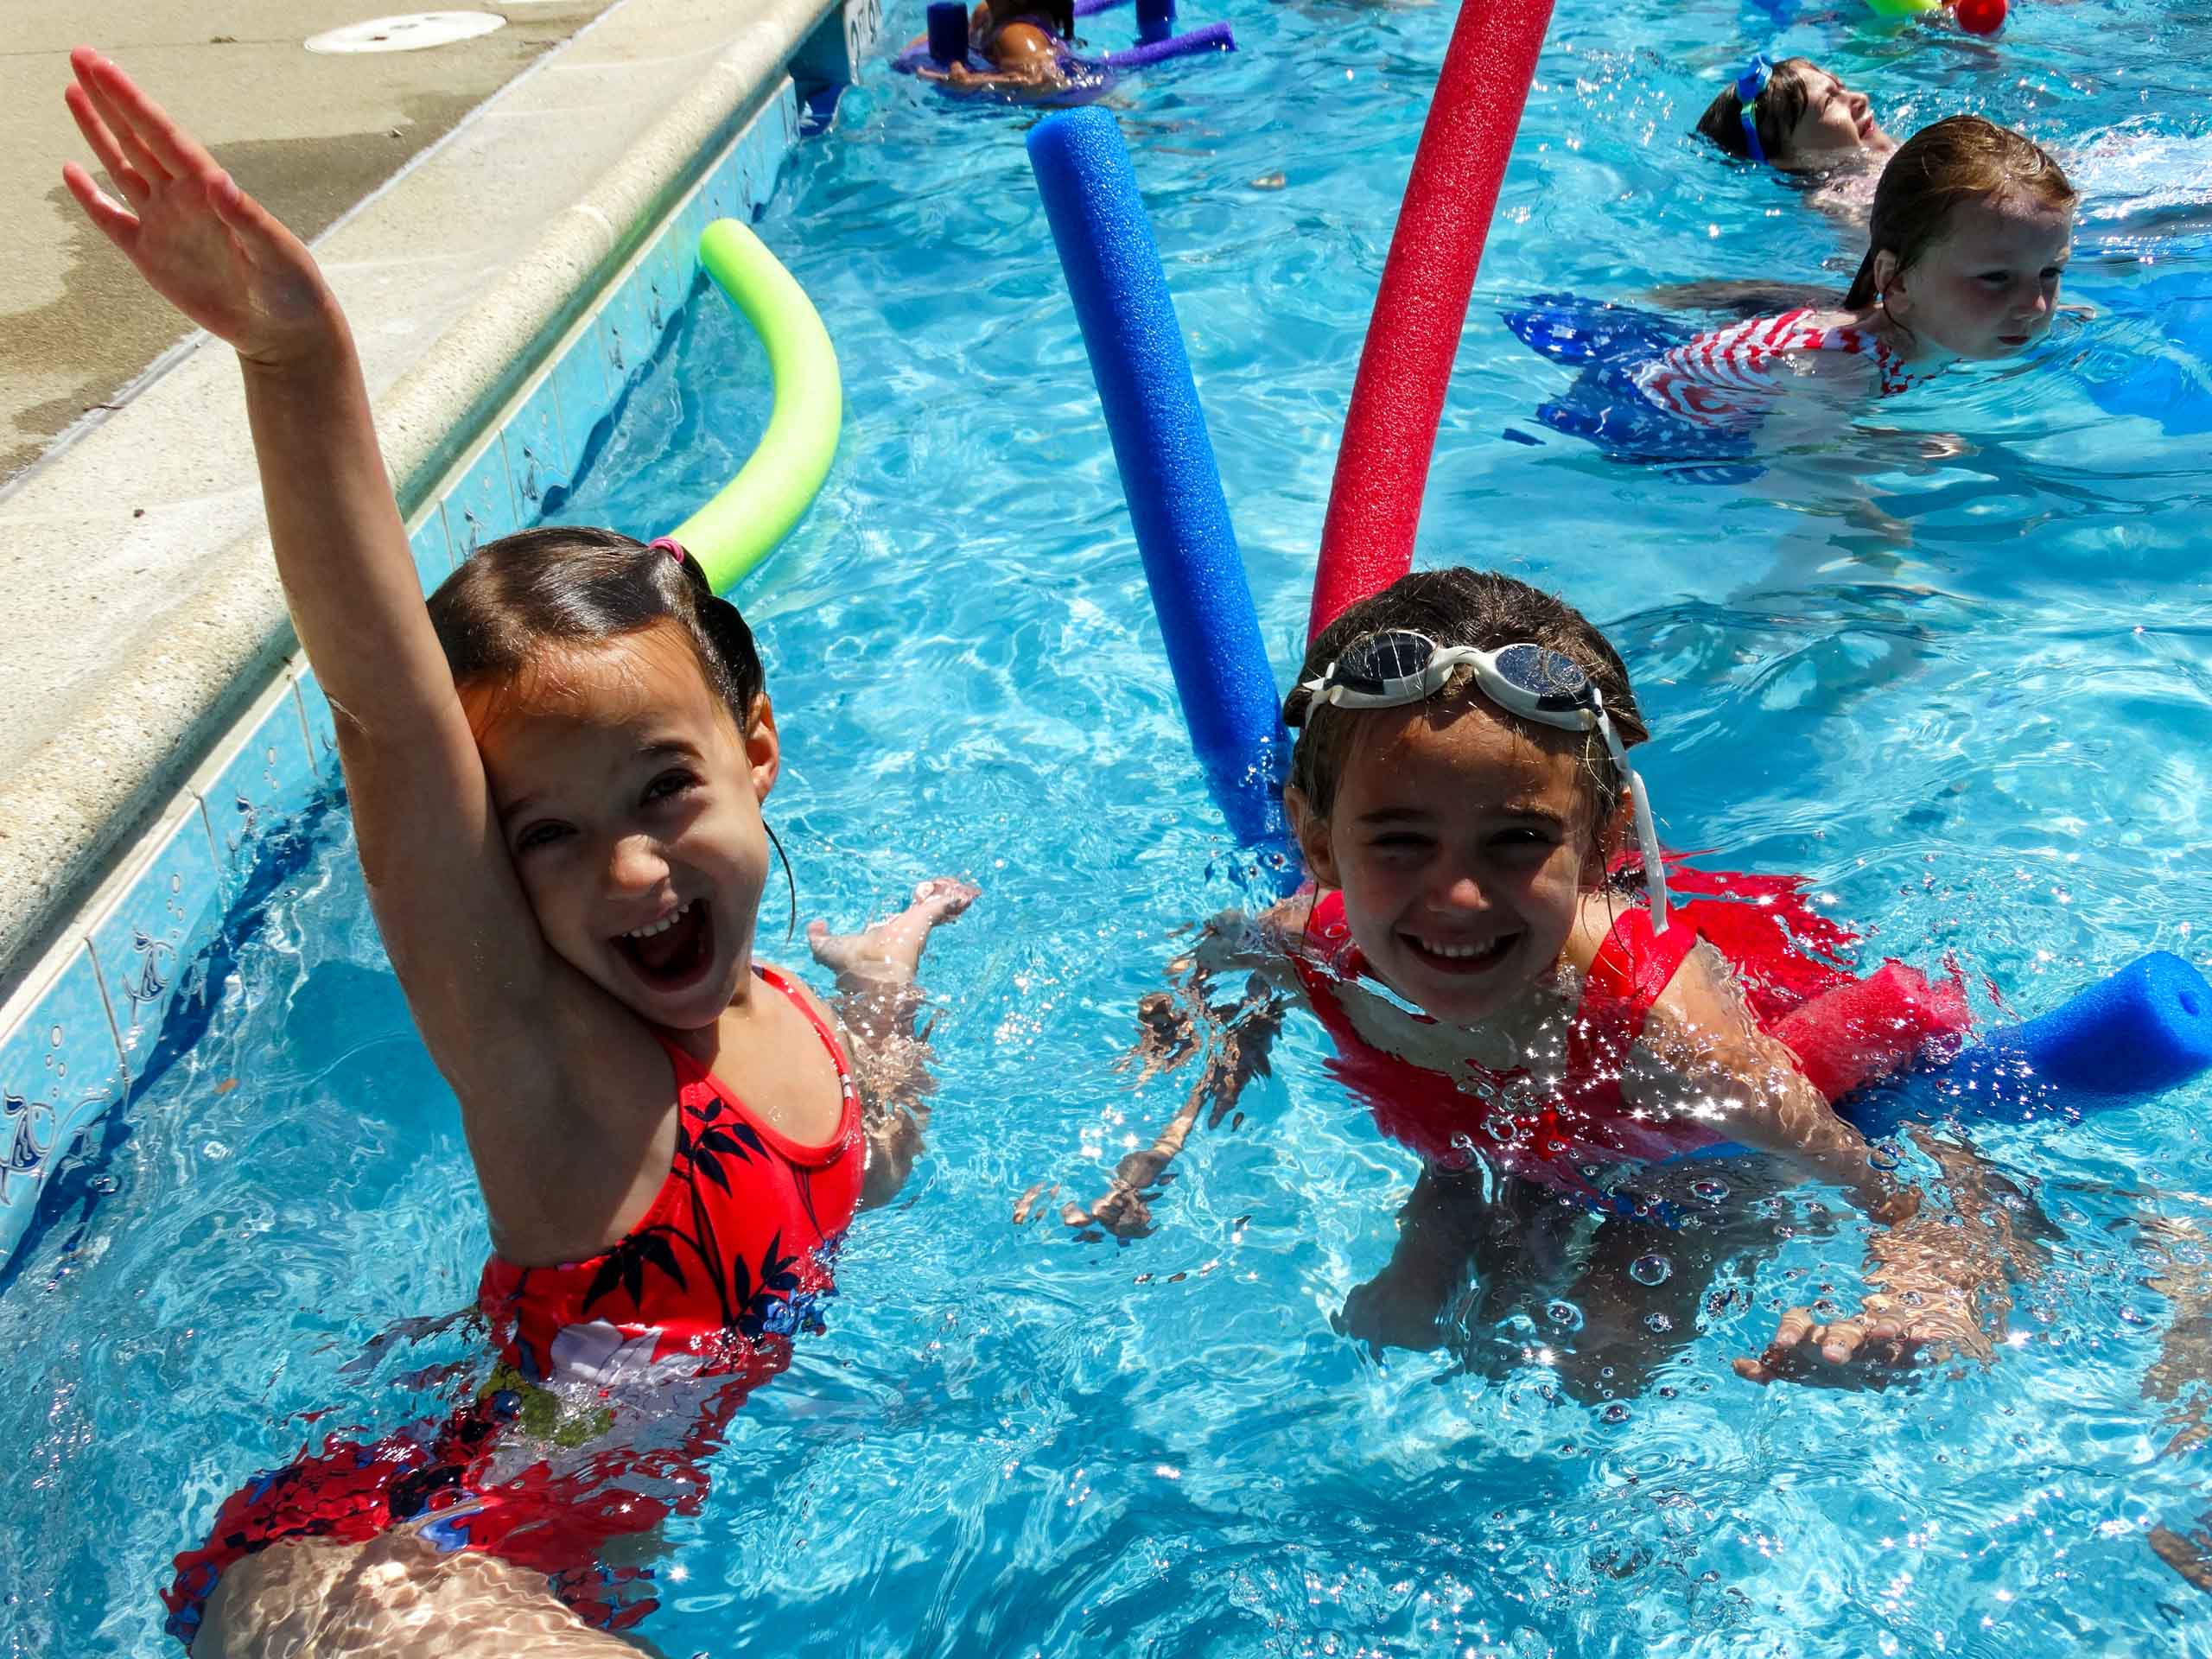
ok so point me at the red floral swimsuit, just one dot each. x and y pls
(617, 1376)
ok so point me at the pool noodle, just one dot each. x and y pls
(1367, 541)
(753, 512)
(1207, 37)
(2139, 1031)
(1166, 462)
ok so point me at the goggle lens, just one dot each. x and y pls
(1385, 662)
(1543, 673)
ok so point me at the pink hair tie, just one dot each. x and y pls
(670, 545)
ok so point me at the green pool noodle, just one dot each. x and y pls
(772, 492)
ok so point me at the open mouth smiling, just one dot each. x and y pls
(1458, 956)
(671, 953)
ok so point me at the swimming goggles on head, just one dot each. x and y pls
(1748, 85)
(1398, 666)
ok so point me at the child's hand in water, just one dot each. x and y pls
(1125, 1211)
(1941, 1284)
(199, 241)
(1887, 1339)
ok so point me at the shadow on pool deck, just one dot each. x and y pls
(309, 134)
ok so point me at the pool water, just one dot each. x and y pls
(1952, 659)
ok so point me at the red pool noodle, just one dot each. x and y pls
(1367, 541)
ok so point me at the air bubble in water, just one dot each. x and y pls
(1616, 1412)
(1709, 1191)
(1657, 1322)
(1564, 1314)
(1883, 1156)
(1652, 1269)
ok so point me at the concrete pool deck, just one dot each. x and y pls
(144, 612)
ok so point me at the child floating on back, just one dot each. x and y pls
(1563, 1025)
(1796, 118)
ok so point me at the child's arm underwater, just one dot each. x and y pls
(1234, 1041)
(462, 938)
(1936, 1286)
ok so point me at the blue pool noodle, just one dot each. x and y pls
(1155, 20)
(1166, 462)
(2136, 1032)
(2139, 1031)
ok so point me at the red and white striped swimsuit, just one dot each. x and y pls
(1728, 377)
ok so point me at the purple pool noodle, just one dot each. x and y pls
(1213, 37)
(948, 32)
(1092, 8)
(1165, 458)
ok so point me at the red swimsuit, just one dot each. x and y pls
(617, 1373)
(1845, 1031)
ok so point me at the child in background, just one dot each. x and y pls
(1025, 42)
(1971, 230)
(1512, 994)
(1796, 118)
(556, 773)
(1802, 121)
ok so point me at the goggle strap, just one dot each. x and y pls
(1647, 832)
(1647, 840)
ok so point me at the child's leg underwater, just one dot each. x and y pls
(397, 1597)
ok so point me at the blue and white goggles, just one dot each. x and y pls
(1398, 666)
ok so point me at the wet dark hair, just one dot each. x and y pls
(1776, 113)
(1061, 12)
(1460, 606)
(1960, 159)
(574, 585)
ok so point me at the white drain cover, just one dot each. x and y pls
(411, 33)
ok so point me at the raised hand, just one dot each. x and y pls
(199, 241)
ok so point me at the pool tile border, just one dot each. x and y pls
(96, 1002)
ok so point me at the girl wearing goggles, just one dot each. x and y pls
(1519, 999)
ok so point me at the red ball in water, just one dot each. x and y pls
(1979, 16)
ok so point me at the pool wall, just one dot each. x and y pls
(82, 1025)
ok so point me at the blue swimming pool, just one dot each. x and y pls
(1952, 659)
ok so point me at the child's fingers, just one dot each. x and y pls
(176, 151)
(81, 109)
(115, 221)
(96, 76)
(1840, 1342)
